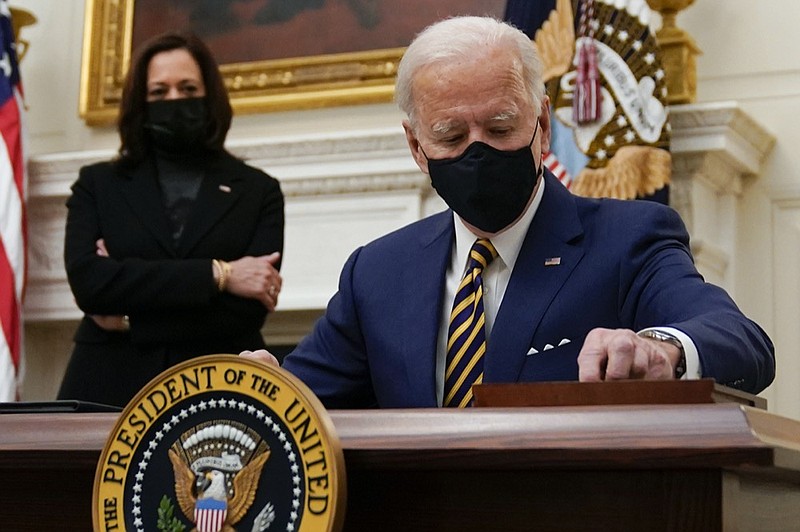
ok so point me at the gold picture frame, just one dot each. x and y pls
(256, 86)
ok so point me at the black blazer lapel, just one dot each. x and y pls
(140, 189)
(549, 254)
(218, 193)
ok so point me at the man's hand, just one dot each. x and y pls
(261, 355)
(618, 354)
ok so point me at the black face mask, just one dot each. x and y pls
(488, 188)
(176, 125)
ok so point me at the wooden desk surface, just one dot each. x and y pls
(663, 467)
(724, 434)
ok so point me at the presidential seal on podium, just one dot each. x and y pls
(217, 444)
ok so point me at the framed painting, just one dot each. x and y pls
(274, 54)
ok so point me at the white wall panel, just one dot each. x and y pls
(786, 252)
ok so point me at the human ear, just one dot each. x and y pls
(414, 146)
(544, 125)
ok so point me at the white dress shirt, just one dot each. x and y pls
(495, 277)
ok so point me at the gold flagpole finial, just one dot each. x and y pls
(678, 51)
(19, 19)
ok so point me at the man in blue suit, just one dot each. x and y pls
(564, 288)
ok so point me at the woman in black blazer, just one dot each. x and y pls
(172, 250)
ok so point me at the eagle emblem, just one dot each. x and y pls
(217, 466)
(221, 443)
(622, 153)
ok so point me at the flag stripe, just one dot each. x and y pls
(9, 310)
(12, 230)
(558, 169)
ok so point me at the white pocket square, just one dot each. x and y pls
(533, 350)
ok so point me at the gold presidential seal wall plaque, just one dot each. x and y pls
(217, 444)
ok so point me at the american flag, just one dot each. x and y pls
(13, 231)
(559, 170)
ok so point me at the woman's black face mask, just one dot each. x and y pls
(176, 125)
(488, 188)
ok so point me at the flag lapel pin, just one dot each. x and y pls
(552, 261)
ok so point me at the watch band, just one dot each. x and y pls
(661, 336)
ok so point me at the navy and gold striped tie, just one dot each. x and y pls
(466, 337)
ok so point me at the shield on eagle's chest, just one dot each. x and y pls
(210, 514)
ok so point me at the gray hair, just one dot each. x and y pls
(463, 37)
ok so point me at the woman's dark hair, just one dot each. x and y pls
(133, 113)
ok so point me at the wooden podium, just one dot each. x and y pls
(702, 467)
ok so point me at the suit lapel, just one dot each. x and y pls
(554, 233)
(142, 193)
(219, 191)
(423, 278)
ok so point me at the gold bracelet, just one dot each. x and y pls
(226, 274)
(224, 269)
(217, 271)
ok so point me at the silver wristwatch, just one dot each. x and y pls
(680, 367)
